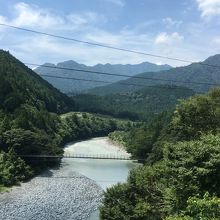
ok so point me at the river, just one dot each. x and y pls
(73, 191)
(104, 172)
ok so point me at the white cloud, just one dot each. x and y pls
(26, 15)
(120, 3)
(2, 19)
(216, 40)
(209, 8)
(165, 38)
(88, 26)
(169, 22)
(31, 15)
(51, 50)
(85, 18)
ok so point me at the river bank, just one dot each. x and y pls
(100, 145)
(55, 194)
(73, 191)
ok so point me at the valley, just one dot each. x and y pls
(199, 77)
(110, 110)
(73, 190)
(69, 68)
(173, 131)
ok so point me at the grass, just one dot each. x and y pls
(3, 189)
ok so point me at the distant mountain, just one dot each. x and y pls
(191, 75)
(20, 86)
(141, 104)
(74, 86)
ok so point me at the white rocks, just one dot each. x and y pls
(56, 194)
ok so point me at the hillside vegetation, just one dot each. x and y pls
(75, 86)
(180, 178)
(19, 86)
(191, 75)
(179, 149)
(30, 125)
(138, 105)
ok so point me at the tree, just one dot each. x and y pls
(187, 169)
(139, 199)
(13, 169)
(204, 208)
(196, 115)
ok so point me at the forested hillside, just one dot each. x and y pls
(30, 125)
(179, 149)
(180, 176)
(138, 105)
(207, 74)
(19, 85)
(74, 86)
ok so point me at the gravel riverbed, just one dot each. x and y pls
(68, 193)
(55, 194)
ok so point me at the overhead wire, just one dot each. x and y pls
(112, 74)
(105, 46)
(162, 86)
(119, 75)
(92, 43)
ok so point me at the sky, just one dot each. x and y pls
(183, 29)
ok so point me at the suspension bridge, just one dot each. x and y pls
(82, 156)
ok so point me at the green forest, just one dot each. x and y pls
(178, 147)
(183, 76)
(139, 105)
(31, 121)
(179, 179)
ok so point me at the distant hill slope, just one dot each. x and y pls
(192, 73)
(29, 124)
(140, 104)
(69, 86)
(20, 85)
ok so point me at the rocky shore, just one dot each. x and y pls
(55, 194)
(67, 193)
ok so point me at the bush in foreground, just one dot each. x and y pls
(13, 169)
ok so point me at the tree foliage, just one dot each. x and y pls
(182, 183)
(197, 115)
(140, 105)
(12, 168)
(30, 124)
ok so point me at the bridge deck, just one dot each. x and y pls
(82, 156)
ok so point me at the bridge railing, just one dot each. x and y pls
(98, 156)
(85, 156)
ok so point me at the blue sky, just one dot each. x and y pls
(185, 29)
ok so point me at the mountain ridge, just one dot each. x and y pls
(69, 86)
(189, 76)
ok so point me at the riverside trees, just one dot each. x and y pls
(183, 182)
(31, 120)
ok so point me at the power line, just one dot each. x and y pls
(114, 74)
(104, 73)
(106, 46)
(164, 86)
(94, 44)
(100, 81)
(87, 80)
